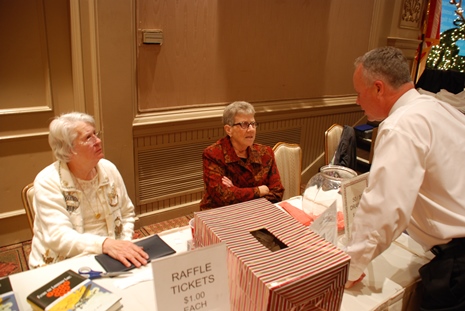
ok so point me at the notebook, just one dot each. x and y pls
(154, 246)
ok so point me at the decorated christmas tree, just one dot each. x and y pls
(445, 56)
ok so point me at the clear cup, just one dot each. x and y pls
(191, 242)
(191, 224)
(323, 189)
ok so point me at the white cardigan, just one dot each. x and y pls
(58, 224)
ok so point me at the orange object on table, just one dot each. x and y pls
(297, 213)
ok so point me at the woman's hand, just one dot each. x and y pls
(125, 251)
(264, 190)
(227, 182)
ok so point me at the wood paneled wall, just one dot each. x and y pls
(219, 51)
(35, 85)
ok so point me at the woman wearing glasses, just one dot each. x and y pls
(80, 200)
(235, 169)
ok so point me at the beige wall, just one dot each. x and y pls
(35, 84)
(292, 59)
(261, 50)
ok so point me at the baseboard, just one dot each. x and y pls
(167, 213)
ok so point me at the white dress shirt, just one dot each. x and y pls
(416, 181)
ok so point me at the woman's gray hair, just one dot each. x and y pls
(63, 132)
(387, 64)
(238, 107)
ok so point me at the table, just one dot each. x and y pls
(140, 296)
(391, 278)
(389, 283)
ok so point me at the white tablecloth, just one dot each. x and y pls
(389, 283)
(138, 297)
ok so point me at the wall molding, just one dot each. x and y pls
(191, 114)
(22, 136)
(25, 110)
(11, 214)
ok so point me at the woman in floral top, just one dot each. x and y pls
(235, 169)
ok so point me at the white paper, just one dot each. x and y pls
(351, 191)
(194, 280)
(326, 224)
(142, 276)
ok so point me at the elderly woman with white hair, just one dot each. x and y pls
(80, 200)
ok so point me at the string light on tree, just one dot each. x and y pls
(445, 56)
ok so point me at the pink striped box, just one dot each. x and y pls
(307, 274)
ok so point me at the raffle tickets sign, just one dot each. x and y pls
(191, 281)
(274, 262)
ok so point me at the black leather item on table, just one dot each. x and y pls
(154, 246)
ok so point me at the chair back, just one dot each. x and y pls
(289, 162)
(332, 138)
(27, 196)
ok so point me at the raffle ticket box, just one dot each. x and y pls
(274, 262)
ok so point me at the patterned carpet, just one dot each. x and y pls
(165, 225)
(13, 258)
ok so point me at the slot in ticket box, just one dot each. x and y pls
(274, 262)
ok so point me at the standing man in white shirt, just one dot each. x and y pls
(416, 181)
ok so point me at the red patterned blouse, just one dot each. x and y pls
(258, 169)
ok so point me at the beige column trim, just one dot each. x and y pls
(84, 31)
(76, 56)
(93, 27)
(375, 24)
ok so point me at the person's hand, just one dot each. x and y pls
(125, 251)
(349, 284)
(227, 182)
(264, 190)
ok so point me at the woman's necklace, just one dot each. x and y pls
(85, 195)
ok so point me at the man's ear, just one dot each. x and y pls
(379, 86)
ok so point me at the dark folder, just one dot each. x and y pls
(154, 246)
